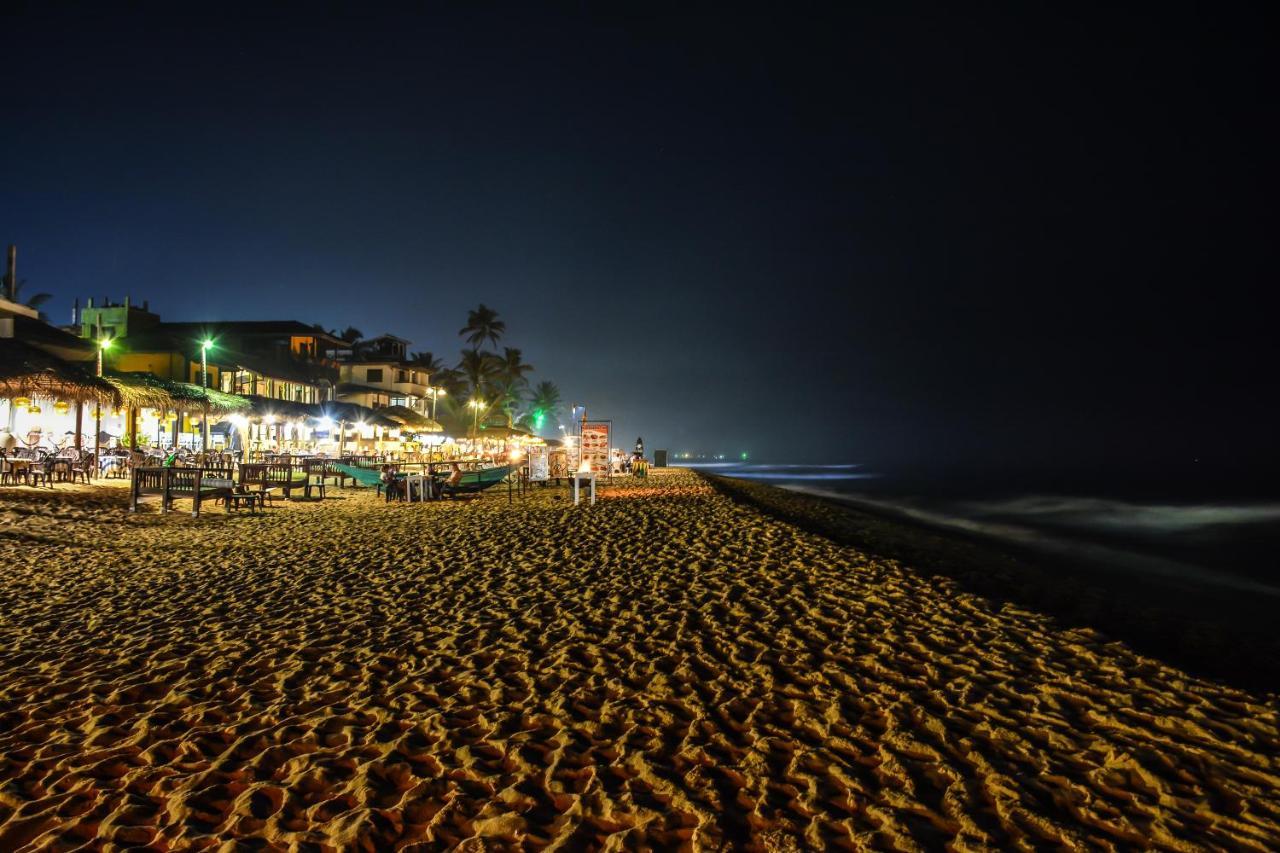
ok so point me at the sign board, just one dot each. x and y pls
(558, 463)
(595, 445)
(539, 464)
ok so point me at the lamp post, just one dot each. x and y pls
(475, 405)
(104, 344)
(435, 392)
(204, 384)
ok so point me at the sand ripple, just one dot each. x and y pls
(666, 669)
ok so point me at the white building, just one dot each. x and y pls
(378, 373)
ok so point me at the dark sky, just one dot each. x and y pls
(904, 236)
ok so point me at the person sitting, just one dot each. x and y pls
(451, 483)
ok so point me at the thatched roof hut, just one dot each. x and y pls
(149, 391)
(352, 413)
(349, 413)
(28, 371)
(411, 420)
(500, 433)
(141, 390)
(261, 407)
(210, 400)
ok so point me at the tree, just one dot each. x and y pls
(544, 405)
(14, 294)
(512, 368)
(479, 369)
(351, 335)
(483, 325)
(451, 380)
(509, 380)
(427, 361)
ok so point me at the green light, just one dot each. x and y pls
(207, 344)
(744, 457)
(538, 417)
(105, 343)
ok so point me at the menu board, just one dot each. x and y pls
(559, 463)
(539, 467)
(595, 445)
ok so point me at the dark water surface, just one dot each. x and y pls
(1223, 535)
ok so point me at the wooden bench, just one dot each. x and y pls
(322, 470)
(269, 477)
(197, 484)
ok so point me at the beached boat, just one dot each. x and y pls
(472, 481)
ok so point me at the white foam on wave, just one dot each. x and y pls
(1126, 515)
(1056, 545)
(770, 467)
(774, 475)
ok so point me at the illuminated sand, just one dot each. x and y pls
(668, 668)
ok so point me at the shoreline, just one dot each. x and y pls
(669, 668)
(1209, 628)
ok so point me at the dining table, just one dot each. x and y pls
(21, 467)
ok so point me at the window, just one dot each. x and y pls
(402, 376)
(374, 374)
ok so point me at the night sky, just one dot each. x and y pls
(912, 236)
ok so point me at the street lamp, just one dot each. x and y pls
(204, 383)
(435, 392)
(476, 406)
(103, 345)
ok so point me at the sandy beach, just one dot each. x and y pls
(667, 669)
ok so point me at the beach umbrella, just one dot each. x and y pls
(27, 371)
(409, 419)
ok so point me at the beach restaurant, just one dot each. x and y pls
(247, 388)
(43, 398)
(51, 404)
(332, 428)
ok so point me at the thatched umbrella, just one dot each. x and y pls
(501, 433)
(145, 390)
(27, 371)
(355, 413)
(141, 390)
(209, 400)
(411, 420)
(352, 413)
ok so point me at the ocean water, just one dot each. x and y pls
(1155, 527)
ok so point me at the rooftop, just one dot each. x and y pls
(251, 327)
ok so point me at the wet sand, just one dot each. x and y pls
(667, 669)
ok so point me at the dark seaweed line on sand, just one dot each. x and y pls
(1227, 636)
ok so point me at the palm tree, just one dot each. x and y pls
(512, 368)
(507, 403)
(544, 404)
(427, 361)
(451, 380)
(483, 325)
(431, 365)
(479, 369)
(14, 294)
(351, 334)
(510, 380)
